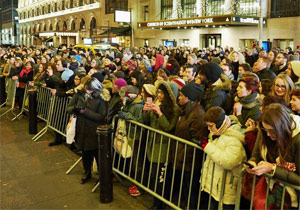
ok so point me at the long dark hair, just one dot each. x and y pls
(167, 105)
(278, 116)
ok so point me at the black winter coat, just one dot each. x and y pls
(87, 123)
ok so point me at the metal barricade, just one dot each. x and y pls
(287, 187)
(25, 103)
(11, 94)
(169, 183)
(57, 117)
(43, 102)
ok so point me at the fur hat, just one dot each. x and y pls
(150, 89)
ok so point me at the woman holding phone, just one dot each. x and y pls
(277, 148)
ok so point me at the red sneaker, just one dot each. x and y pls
(131, 187)
(134, 192)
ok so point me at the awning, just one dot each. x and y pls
(117, 31)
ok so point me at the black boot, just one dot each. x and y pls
(54, 143)
(86, 177)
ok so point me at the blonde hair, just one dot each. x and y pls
(241, 57)
(289, 86)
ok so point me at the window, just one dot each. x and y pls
(63, 7)
(65, 26)
(32, 12)
(73, 26)
(80, 2)
(112, 5)
(82, 24)
(92, 1)
(215, 7)
(71, 3)
(49, 8)
(55, 7)
(50, 27)
(37, 12)
(166, 9)
(93, 26)
(285, 8)
(145, 13)
(247, 8)
(43, 10)
(189, 8)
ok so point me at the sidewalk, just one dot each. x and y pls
(32, 175)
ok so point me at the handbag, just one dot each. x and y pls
(71, 130)
(121, 140)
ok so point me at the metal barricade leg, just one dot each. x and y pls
(74, 165)
(12, 88)
(23, 104)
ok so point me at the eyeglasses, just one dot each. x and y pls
(270, 131)
(280, 86)
(279, 57)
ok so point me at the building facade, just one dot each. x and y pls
(212, 23)
(9, 22)
(70, 22)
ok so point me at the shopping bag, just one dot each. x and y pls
(71, 130)
(121, 141)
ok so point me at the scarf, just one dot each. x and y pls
(25, 71)
(249, 101)
(225, 125)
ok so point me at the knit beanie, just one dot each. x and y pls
(77, 58)
(179, 82)
(192, 91)
(120, 83)
(131, 65)
(119, 74)
(296, 67)
(150, 89)
(174, 88)
(67, 74)
(212, 71)
(99, 76)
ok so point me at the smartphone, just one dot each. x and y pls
(149, 100)
(248, 164)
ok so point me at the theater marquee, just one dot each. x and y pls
(200, 21)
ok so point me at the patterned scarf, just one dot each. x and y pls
(25, 71)
(225, 125)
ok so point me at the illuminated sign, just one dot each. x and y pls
(122, 16)
(200, 21)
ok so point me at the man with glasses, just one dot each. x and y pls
(281, 63)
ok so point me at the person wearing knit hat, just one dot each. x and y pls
(217, 87)
(190, 125)
(211, 71)
(180, 83)
(65, 76)
(120, 83)
(132, 103)
(77, 58)
(193, 92)
(293, 72)
(132, 64)
(99, 76)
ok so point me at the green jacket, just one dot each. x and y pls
(157, 146)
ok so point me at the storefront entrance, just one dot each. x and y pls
(210, 40)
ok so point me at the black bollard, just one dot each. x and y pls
(2, 90)
(105, 163)
(32, 94)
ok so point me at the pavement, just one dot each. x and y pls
(33, 175)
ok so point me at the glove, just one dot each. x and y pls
(78, 109)
(122, 115)
(201, 142)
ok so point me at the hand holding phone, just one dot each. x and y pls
(149, 100)
(248, 164)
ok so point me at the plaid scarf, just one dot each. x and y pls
(225, 125)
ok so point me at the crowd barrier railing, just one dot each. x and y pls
(269, 179)
(25, 104)
(10, 100)
(141, 170)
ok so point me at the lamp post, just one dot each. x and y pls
(261, 24)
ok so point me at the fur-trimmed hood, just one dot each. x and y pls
(223, 83)
(169, 89)
(105, 94)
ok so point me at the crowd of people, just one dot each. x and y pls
(237, 105)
